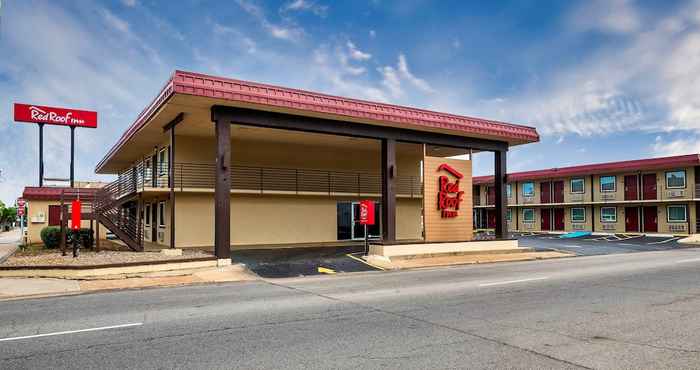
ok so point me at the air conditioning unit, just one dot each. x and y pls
(676, 193)
(147, 234)
(529, 226)
(161, 236)
(609, 227)
(576, 197)
(677, 228)
(578, 226)
(527, 199)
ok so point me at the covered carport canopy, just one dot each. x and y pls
(192, 101)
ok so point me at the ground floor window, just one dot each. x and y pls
(578, 214)
(147, 219)
(676, 213)
(349, 227)
(509, 215)
(608, 214)
(528, 215)
(161, 213)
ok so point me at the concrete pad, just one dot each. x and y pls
(24, 287)
(401, 263)
(436, 249)
(171, 252)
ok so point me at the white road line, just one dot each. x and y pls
(634, 245)
(664, 241)
(512, 281)
(571, 246)
(689, 260)
(72, 332)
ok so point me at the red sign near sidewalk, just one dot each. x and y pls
(55, 116)
(366, 212)
(76, 215)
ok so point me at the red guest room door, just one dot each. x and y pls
(545, 217)
(631, 187)
(559, 219)
(649, 186)
(545, 192)
(631, 219)
(558, 192)
(650, 222)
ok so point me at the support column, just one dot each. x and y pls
(72, 156)
(388, 191)
(171, 184)
(41, 154)
(154, 169)
(501, 200)
(222, 190)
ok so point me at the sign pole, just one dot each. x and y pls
(41, 154)
(72, 155)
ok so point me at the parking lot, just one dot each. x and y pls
(592, 245)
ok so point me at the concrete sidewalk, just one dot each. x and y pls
(9, 242)
(13, 288)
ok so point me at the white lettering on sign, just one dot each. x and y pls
(41, 115)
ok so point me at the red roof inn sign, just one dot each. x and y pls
(55, 116)
(449, 195)
(43, 115)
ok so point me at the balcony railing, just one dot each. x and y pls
(261, 180)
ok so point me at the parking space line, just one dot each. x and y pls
(689, 260)
(512, 281)
(665, 241)
(365, 262)
(71, 332)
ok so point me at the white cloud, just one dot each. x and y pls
(306, 5)
(283, 32)
(372, 33)
(116, 22)
(391, 81)
(609, 16)
(415, 81)
(129, 3)
(357, 54)
(665, 147)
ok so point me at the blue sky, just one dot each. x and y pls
(601, 80)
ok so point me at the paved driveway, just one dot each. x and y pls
(598, 244)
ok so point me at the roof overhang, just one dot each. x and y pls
(600, 168)
(195, 94)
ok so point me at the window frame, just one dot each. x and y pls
(571, 214)
(532, 193)
(509, 215)
(685, 179)
(509, 191)
(685, 214)
(525, 220)
(583, 185)
(161, 214)
(608, 221)
(147, 214)
(163, 170)
(600, 183)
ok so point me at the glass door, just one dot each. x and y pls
(349, 227)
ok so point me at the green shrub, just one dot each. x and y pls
(51, 236)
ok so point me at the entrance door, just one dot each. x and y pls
(558, 191)
(154, 222)
(649, 186)
(559, 219)
(631, 192)
(491, 219)
(650, 219)
(631, 219)
(545, 194)
(545, 217)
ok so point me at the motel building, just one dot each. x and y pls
(220, 163)
(657, 195)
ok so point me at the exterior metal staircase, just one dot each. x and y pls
(116, 208)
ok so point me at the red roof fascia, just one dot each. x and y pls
(198, 84)
(54, 193)
(599, 168)
(283, 97)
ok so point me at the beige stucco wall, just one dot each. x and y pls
(35, 210)
(275, 219)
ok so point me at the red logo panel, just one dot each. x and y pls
(449, 195)
(55, 116)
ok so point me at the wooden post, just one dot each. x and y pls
(501, 200)
(388, 191)
(222, 190)
(97, 235)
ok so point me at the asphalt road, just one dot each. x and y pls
(593, 245)
(638, 310)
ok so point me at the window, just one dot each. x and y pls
(163, 162)
(148, 215)
(676, 213)
(607, 183)
(508, 191)
(528, 215)
(147, 168)
(509, 215)
(161, 214)
(578, 214)
(608, 214)
(528, 189)
(577, 186)
(675, 179)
